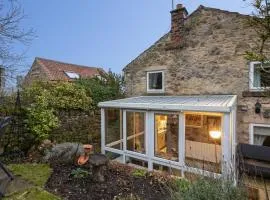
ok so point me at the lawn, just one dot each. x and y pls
(34, 193)
(36, 175)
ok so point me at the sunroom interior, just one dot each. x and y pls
(189, 134)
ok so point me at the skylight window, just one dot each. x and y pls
(72, 75)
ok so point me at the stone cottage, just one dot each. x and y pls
(50, 70)
(193, 97)
(203, 54)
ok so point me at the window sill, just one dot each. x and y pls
(155, 91)
(256, 93)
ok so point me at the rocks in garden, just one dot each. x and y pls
(64, 153)
(98, 163)
(36, 153)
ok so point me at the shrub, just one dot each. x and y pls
(210, 189)
(50, 107)
(139, 173)
(181, 185)
(108, 86)
(79, 173)
(43, 100)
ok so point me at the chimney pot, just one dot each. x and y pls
(178, 6)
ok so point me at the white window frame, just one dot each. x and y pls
(251, 131)
(179, 142)
(155, 90)
(251, 77)
(145, 132)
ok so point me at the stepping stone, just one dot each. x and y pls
(18, 185)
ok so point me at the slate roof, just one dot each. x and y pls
(56, 70)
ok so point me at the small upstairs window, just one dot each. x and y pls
(259, 76)
(72, 75)
(155, 81)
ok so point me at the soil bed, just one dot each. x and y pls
(120, 183)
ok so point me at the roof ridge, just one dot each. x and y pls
(202, 7)
(61, 62)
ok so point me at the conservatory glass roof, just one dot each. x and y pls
(211, 103)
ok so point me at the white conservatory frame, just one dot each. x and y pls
(227, 109)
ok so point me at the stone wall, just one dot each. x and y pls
(78, 126)
(210, 60)
(36, 73)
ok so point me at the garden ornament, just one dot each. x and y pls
(85, 157)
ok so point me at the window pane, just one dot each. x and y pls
(136, 131)
(203, 141)
(155, 81)
(113, 130)
(261, 75)
(261, 135)
(166, 136)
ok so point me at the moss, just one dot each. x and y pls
(33, 194)
(37, 174)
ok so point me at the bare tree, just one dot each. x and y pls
(12, 37)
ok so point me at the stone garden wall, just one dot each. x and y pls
(77, 126)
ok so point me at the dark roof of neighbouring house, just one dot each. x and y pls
(201, 7)
(56, 70)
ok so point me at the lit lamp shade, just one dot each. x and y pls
(215, 134)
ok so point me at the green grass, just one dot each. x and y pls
(37, 174)
(34, 193)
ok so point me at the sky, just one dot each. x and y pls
(103, 33)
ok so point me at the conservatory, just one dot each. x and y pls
(187, 134)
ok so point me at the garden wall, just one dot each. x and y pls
(78, 126)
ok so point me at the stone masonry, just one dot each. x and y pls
(209, 60)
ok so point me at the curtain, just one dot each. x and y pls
(260, 134)
(257, 77)
(259, 139)
(155, 80)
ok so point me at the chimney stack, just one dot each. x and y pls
(177, 24)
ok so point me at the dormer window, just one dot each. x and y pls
(72, 75)
(259, 76)
(155, 81)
